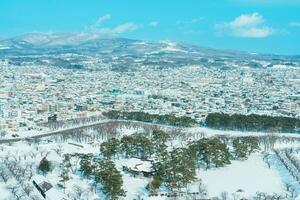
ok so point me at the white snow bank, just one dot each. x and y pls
(251, 176)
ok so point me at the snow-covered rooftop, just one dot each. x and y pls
(138, 165)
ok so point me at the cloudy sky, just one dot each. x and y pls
(269, 26)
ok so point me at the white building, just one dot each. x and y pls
(46, 189)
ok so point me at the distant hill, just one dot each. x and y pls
(125, 51)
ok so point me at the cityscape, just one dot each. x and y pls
(160, 100)
(264, 87)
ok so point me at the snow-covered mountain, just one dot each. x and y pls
(46, 40)
(94, 40)
(130, 52)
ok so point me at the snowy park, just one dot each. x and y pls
(152, 162)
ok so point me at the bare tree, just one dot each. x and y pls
(224, 195)
(27, 189)
(16, 192)
(4, 174)
(78, 192)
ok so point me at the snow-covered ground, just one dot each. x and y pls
(5, 194)
(244, 178)
(208, 132)
(212, 132)
(250, 176)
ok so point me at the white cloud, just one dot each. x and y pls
(297, 24)
(246, 20)
(112, 31)
(247, 25)
(253, 32)
(130, 26)
(122, 28)
(153, 24)
(100, 21)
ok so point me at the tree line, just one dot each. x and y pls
(152, 118)
(252, 122)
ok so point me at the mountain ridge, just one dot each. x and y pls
(50, 40)
(92, 43)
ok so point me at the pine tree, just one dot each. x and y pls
(244, 146)
(176, 169)
(110, 148)
(64, 177)
(44, 166)
(110, 179)
(219, 153)
(136, 145)
(67, 161)
(86, 166)
(159, 139)
(210, 152)
(154, 184)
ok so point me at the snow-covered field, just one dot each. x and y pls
(250, 176)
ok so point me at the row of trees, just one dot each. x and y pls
(153, 118)
(54, 125)
(290, 163)
(252, 122)
(136, 145)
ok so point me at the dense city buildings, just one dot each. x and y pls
(36, 89)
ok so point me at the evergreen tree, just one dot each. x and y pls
(44, 166)
(210, 152)
(252, 122)
(86, 166)
(219, 153)
(67, 161)
(154, 184)
(136, 145)
(110, 148)
(110, 179)
(154, 118)
(159, 139)
(64, 177)
(176, 170)
(244, 146)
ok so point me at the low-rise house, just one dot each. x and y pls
(46, 189)
(138, 167)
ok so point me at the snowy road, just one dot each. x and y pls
(208, 131)
(70, 129)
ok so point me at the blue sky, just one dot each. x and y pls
(269, 26)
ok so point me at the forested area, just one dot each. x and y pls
(153, 118)
(252, 122)
(175, 168)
